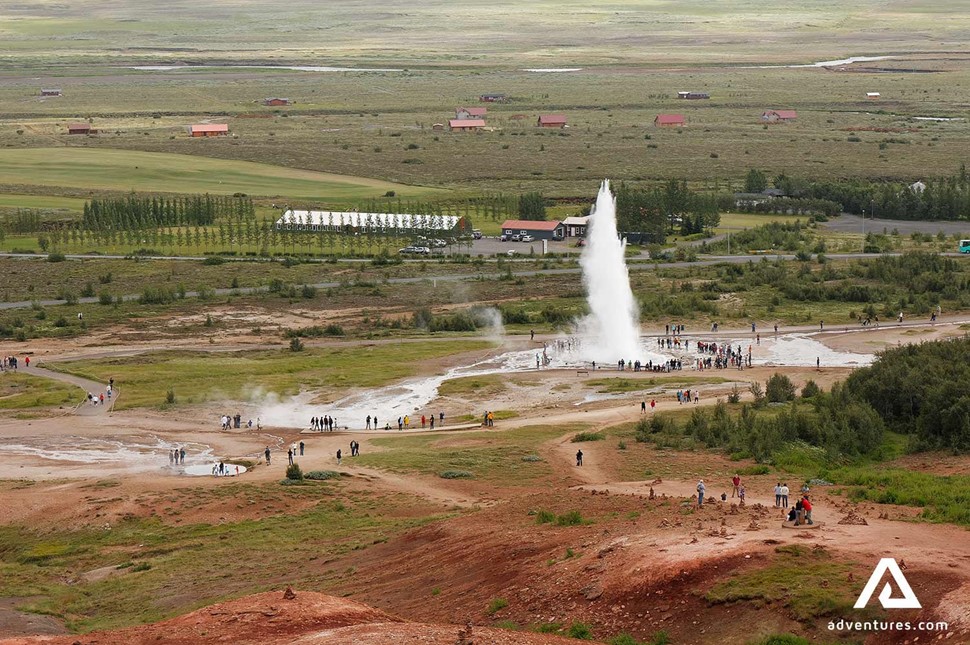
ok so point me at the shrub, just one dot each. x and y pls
(308, 292)
(588, 436)
(532, 458)
(735, 394)
(296, 345)
(572, 518)
(496, 605)
(321, 475)
(294, 473)
(60, 322)
(545, 517)
(105, 298)
(56, 256)
(810, 390)
(580, 631)
(213, 260)
(170, 396)
(455, 474)
(87, 291)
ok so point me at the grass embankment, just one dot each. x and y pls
(809, 584)
(167, 570)
(19, 391)
(506, 457)
(153, 172)
(622, 385)
(942, 498)
(247, 374)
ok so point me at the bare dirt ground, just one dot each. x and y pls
(642, 564)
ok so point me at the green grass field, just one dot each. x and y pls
(195, 378)
(19, 391)
(124, 170)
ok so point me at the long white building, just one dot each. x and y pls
(339, 222)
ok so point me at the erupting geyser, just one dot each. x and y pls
(612, 328)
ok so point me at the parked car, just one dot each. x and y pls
(438, 243)
(422, 250)
(516, 237)
(476, 234)
(407, 250)
(527, 238)
(503, 238)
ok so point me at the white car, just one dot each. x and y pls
(527, 238)
(423, 250)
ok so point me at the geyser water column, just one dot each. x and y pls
(612, 329)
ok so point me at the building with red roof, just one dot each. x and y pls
(552, 121)
(670, 120)
(538, 229)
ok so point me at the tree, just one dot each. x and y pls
(532, 207)
(755, 181)
(779, 389)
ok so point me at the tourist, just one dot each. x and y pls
(424, 422)
(491, 419)
(368, 422)
(339, 455)
(653, 404)
(532, 334)
(432, 422)
(643, 407)
(289, 455)
(171, 458)
(784, 495)
(736, 481)
(821, 325)
(778, 495)
(441, 417)
(400, 423)
(375, 422)
(807, 508)
(700, 493)
(267, 456)
(900, 322)
(302, 446)
(182, 456)
(818, 364)
(579, 457)
(741, 493)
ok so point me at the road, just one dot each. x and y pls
(853, 224)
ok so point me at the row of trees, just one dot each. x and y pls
(135, 212)
(945, 198)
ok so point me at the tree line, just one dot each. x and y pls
(944, 198)
(136, 212)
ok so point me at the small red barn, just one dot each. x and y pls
(466, 125)
(670, 120)
(551, 121)
(275, 101)
(80, 128)
(209, 129)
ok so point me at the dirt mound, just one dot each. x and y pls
(277, 618)
(853, 519)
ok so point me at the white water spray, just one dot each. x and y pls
(612, 328)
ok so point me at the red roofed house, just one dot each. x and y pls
(670, 120)
(538, 230)
(466, 125)
(209, 130)
(276, 101)
(551, 121)
(80, 128)
(774, 116)
(471, 113)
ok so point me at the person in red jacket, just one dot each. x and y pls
(736, 480)
(807, 508)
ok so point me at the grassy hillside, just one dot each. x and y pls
(125, 170)
(543, 33)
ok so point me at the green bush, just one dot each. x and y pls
(588, 436)
(810, 390)
(105, 298)
(580, 631)
(455, 474)
(545, 517)
(294, 473)
(572, 518)
(321, 475)
(496, 605)
(296, 345)
(779, 389)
